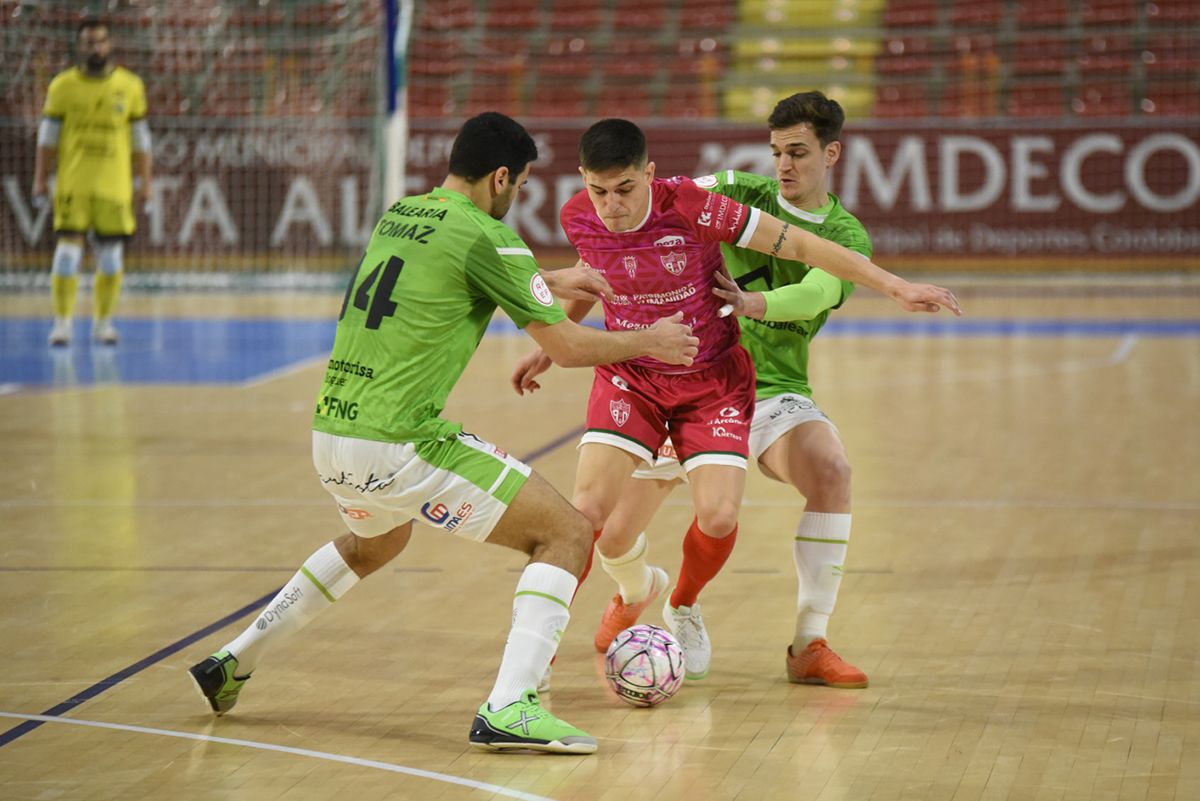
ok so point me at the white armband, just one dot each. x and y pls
(141, 136)
(48, 132)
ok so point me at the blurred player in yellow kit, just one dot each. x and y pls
(94, 126)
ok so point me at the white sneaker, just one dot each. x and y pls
(544, 681)
(104, 332)
(60, 334)
(688, 627)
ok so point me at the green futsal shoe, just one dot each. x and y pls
(216, 682)
(525, 725)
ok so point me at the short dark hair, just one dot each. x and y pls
(488, 142)
(89, 23)
(612, 144)
(825, 115)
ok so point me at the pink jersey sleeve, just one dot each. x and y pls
(715, 217)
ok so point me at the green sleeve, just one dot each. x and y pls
(818, 292)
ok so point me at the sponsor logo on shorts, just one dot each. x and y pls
(541, 292)
(354, 514)
(630, 264)
(667, 451)
(722, 431)
(791, 404)
(619, 410)
(286, 599)
(729, 411)
(620, 383)
(674, 262)
(439, 515)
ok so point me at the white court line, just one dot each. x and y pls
(288, 369)
(283, 749)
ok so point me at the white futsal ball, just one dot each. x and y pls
(644, 665)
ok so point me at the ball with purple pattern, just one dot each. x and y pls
(644, 665)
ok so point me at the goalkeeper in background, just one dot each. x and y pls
(94, 126)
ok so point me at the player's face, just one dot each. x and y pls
(506, 196)
(95, 47)
(621, 196)
(802, 164)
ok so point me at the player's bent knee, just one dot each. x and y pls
(717, 520)
(68, 254)
(365, 555)
(110, 257)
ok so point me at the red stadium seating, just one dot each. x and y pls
(1106, 53)
(1102, 100)
(1171, 53)
(639, 15)
(1108, 12)
(514, 15)
(977, 13)
(1172, 12)
(1172, 99)
(628, 100)
(911, 14)
(430, 99)
(1039, 54)
(1043, 13)
(902, 101)
(559, 100)
(1036, 100)
(907, 55)
(446, 15)
(566, 56)
(576, 15)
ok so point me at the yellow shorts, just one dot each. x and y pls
(77, 212)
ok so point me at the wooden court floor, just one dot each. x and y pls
(1023, 585)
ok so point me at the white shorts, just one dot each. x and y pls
(461, 485)
(773, 417)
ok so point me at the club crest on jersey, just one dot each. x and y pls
(630, 263)
(674, 261)
(619, 410)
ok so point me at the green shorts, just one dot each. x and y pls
(461, 485)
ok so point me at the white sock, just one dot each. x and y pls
(323, 579)
(541, 609)
(820, 553)
(630, 571)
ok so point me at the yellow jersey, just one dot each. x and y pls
(94, 146)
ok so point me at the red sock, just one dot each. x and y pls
(588, 567)
(703, 558)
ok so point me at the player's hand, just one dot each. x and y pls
(738, 302)
(926, 298)
(672, 341)
(527, 369)
(580, 282)
(143, 197)
(41, 194)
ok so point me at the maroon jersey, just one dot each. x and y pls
(666, 263)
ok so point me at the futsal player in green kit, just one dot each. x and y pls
(435, 270)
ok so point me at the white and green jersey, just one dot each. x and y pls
(780, 347)
(436, 268)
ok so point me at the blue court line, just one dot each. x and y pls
(99, 687)
(106, 684)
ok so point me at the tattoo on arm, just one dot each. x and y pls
(779, 242)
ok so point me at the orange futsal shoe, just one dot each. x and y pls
(620, 615)
(819, 664)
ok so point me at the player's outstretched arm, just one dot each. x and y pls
(570, 344)
(580, 282)
(778, 238)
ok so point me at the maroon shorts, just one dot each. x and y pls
(707, 413)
